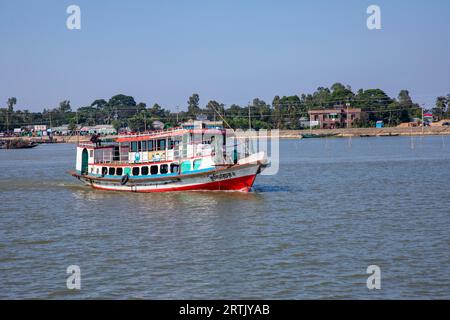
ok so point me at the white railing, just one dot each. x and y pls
(151, 133)
(224, 155)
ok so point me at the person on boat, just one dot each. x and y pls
(95, 139)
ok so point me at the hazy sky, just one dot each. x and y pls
(230, 51)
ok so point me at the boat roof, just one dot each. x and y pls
(164, 133)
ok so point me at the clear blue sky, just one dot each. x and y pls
(227, 50)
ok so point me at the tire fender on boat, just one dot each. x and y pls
(124, 180)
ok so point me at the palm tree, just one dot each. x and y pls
(11, 102)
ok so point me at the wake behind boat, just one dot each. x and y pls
(192, 157)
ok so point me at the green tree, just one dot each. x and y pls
(157, 111)
(99, 103)
(262, 110)
(72, 125)
(214, 108)
(321, 98)
(9, 112)
(440, 111)
(375, 104)
(64, 106)
(404, 99)
(341, 94)
(193, 105)
(122, 107)
(116, 124)
(409, 109)
(11, 103)
(277, 113)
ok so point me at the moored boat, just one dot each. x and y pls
(181, 159)
(367, 135)
(312, 135)
(17, 144)
(389, 134)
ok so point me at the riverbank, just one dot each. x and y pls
(295, 134)
(368, 132)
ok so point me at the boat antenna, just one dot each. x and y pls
(223, 119)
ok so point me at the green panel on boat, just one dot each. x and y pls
(197, 164)
(127, 171)
(185, 166)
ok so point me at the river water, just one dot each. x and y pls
(335, 207)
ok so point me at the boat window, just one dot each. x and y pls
(164, 168)
(154, 170)
(139, 146)
(144, 171)
(119, 171)
(197, 164)
(135, 171)
(144, 145)
(104, 171)
(174, 167)
(112, 171)
(150, 145)
(162, 144)
(134, 146)
(116, 153)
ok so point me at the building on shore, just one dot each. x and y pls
(202, 124)
(103, 129)
(334, 118)
(428, 118)
(39, 127)
(61, 130)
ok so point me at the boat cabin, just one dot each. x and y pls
(162, 153)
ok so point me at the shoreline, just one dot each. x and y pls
(294, 134)
(370, 132)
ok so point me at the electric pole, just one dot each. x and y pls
(249, 118)
(7, 120)
(423, 123)
(348, 115)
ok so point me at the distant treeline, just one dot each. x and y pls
(283, 112)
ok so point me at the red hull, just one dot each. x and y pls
(236, 184)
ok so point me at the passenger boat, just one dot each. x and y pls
(191, 157)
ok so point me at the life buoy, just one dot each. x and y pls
(124, 180)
